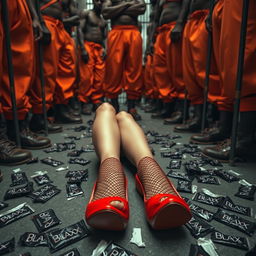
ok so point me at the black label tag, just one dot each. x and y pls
(19, 178)
(73, 252)
(7, 246)
(206, 199)
(246, 192)
(31, 239)
(19, 191)
(200, 212)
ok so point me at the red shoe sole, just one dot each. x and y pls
(107, 220)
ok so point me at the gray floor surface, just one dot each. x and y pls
(165, 243)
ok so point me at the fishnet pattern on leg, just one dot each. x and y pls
(111, 180)
(153, 178)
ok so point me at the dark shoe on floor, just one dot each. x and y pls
(134, 114)
(167, 111)
(74, 103)
(37, 125)
(86, 109)
(208, 136)
(192, 125)
(10, 154)
(64, 116)
(220, 152)
(176, 118)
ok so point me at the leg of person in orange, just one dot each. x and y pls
(108, 207)
(9, 153)
(230, 38)
(195, 48)
(92, 34)
(132, 80)
(169, 21)
(23, 64)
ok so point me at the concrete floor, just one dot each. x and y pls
(165, 243)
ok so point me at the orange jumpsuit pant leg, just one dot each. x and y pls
(124, 72)
(229, 51)
(92, 74)
(50, 60)
(22, 46)
(148, 83)
(66, 75)
(195, 43)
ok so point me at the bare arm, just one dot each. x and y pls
(38, 33)
(136, 9)
(110, 12)
(80, 32)
(180, 22)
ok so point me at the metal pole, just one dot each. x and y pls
(41, 74)
(207, 72)
(239, 79)
(7, 34)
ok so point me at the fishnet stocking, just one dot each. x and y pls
(111, 179)
(153, 178)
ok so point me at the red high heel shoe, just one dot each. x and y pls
(164, 211)
(100, 214)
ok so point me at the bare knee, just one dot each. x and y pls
(105, 107)
(124, 116)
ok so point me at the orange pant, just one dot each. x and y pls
(58, 66)
(194, 52)
(229, 51)
(22, 46)
(92, 74)
(124, 62)
(148, 81)
(168, 65)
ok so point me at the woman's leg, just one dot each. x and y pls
(111, 180)
(174, 211)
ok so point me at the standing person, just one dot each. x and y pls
(58, 66)
(194, 55)
(124, 56)
(169, 22)
(92, 33)
(228, 54)
(22, 19)
(109, 207)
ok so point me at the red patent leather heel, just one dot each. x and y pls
(164, 211)
(100, 214)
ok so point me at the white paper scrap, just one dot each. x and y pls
(137, 238)
(208, 246)
(102, 245)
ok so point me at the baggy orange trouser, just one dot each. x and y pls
(194, 54)
(58, 66)
(22, 46)
(124, 62)
(92, 74)
(168, 65)
(229, 51)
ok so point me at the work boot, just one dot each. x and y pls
(86, 109)
(176, 118)
(154, 107)
(168, 109)
(28, 139)
(115, 104)
(74, 103)
(63, 115)
(193, 124)
(37, 125)
(10, 154)
(244, 145)
(216, 134)
(132, 110)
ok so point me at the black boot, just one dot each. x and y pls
(132, 110)
(245, 147)
(115, 104)
(176, 118)
(86, 109)
(63, 115)
(167, 111)
(28, 139)
(193, 124)
(74, 103)
(154, 107)
(10, 154)
(216, 134)
(36, 125)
